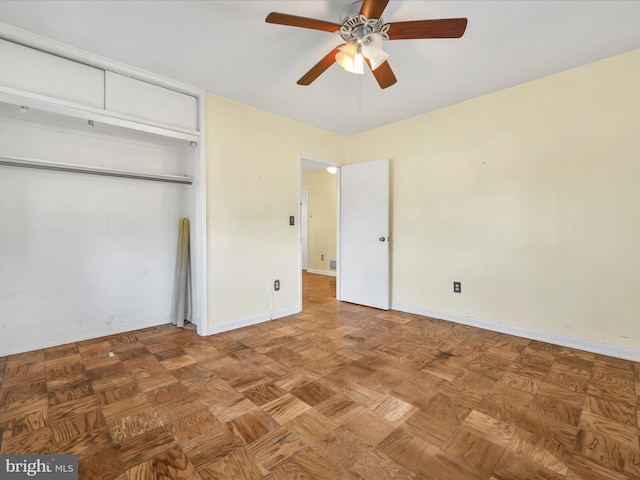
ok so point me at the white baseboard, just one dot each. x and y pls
(330, 273)
(246, 322)
(554, 338)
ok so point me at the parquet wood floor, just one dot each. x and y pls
(339, 391)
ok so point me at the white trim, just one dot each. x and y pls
(303, 221)
(247, 322)
(199, 265)
(36, 342)
(39, 42)
(548, 337)
(338, 233)
(330, 273)
(319, 161)
(299, 210)
(53, 105)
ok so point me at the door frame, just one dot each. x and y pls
(304, 225)
(324, 163)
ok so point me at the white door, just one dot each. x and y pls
(364, 233)
(304, 228)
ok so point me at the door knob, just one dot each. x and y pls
(382, 239)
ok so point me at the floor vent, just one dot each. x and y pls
(332, 264)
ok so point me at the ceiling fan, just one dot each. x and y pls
(364, 32)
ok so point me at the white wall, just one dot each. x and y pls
(529, 197)
(83, 256)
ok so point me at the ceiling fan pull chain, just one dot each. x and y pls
(359, 95)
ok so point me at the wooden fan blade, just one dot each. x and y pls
(319, 68)
(303, 22)
(384, 75)
(445, 28)
(373, 8)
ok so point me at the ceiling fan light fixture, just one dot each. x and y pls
(372, 50)
(350, 58)
(378, 60)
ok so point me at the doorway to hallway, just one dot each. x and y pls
(348, 229)
(319, 223)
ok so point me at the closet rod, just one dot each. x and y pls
(107, 172)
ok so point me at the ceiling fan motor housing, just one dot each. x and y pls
(354, 26)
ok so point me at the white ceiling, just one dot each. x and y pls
(227, 48)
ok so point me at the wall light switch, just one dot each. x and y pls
(292, 220)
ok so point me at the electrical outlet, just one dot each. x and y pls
(276, 285)
(322, 257)
(457, 287)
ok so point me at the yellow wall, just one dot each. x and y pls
(252, 189)
(529, 197)
(321, 186)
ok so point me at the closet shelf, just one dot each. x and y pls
(100, 118)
